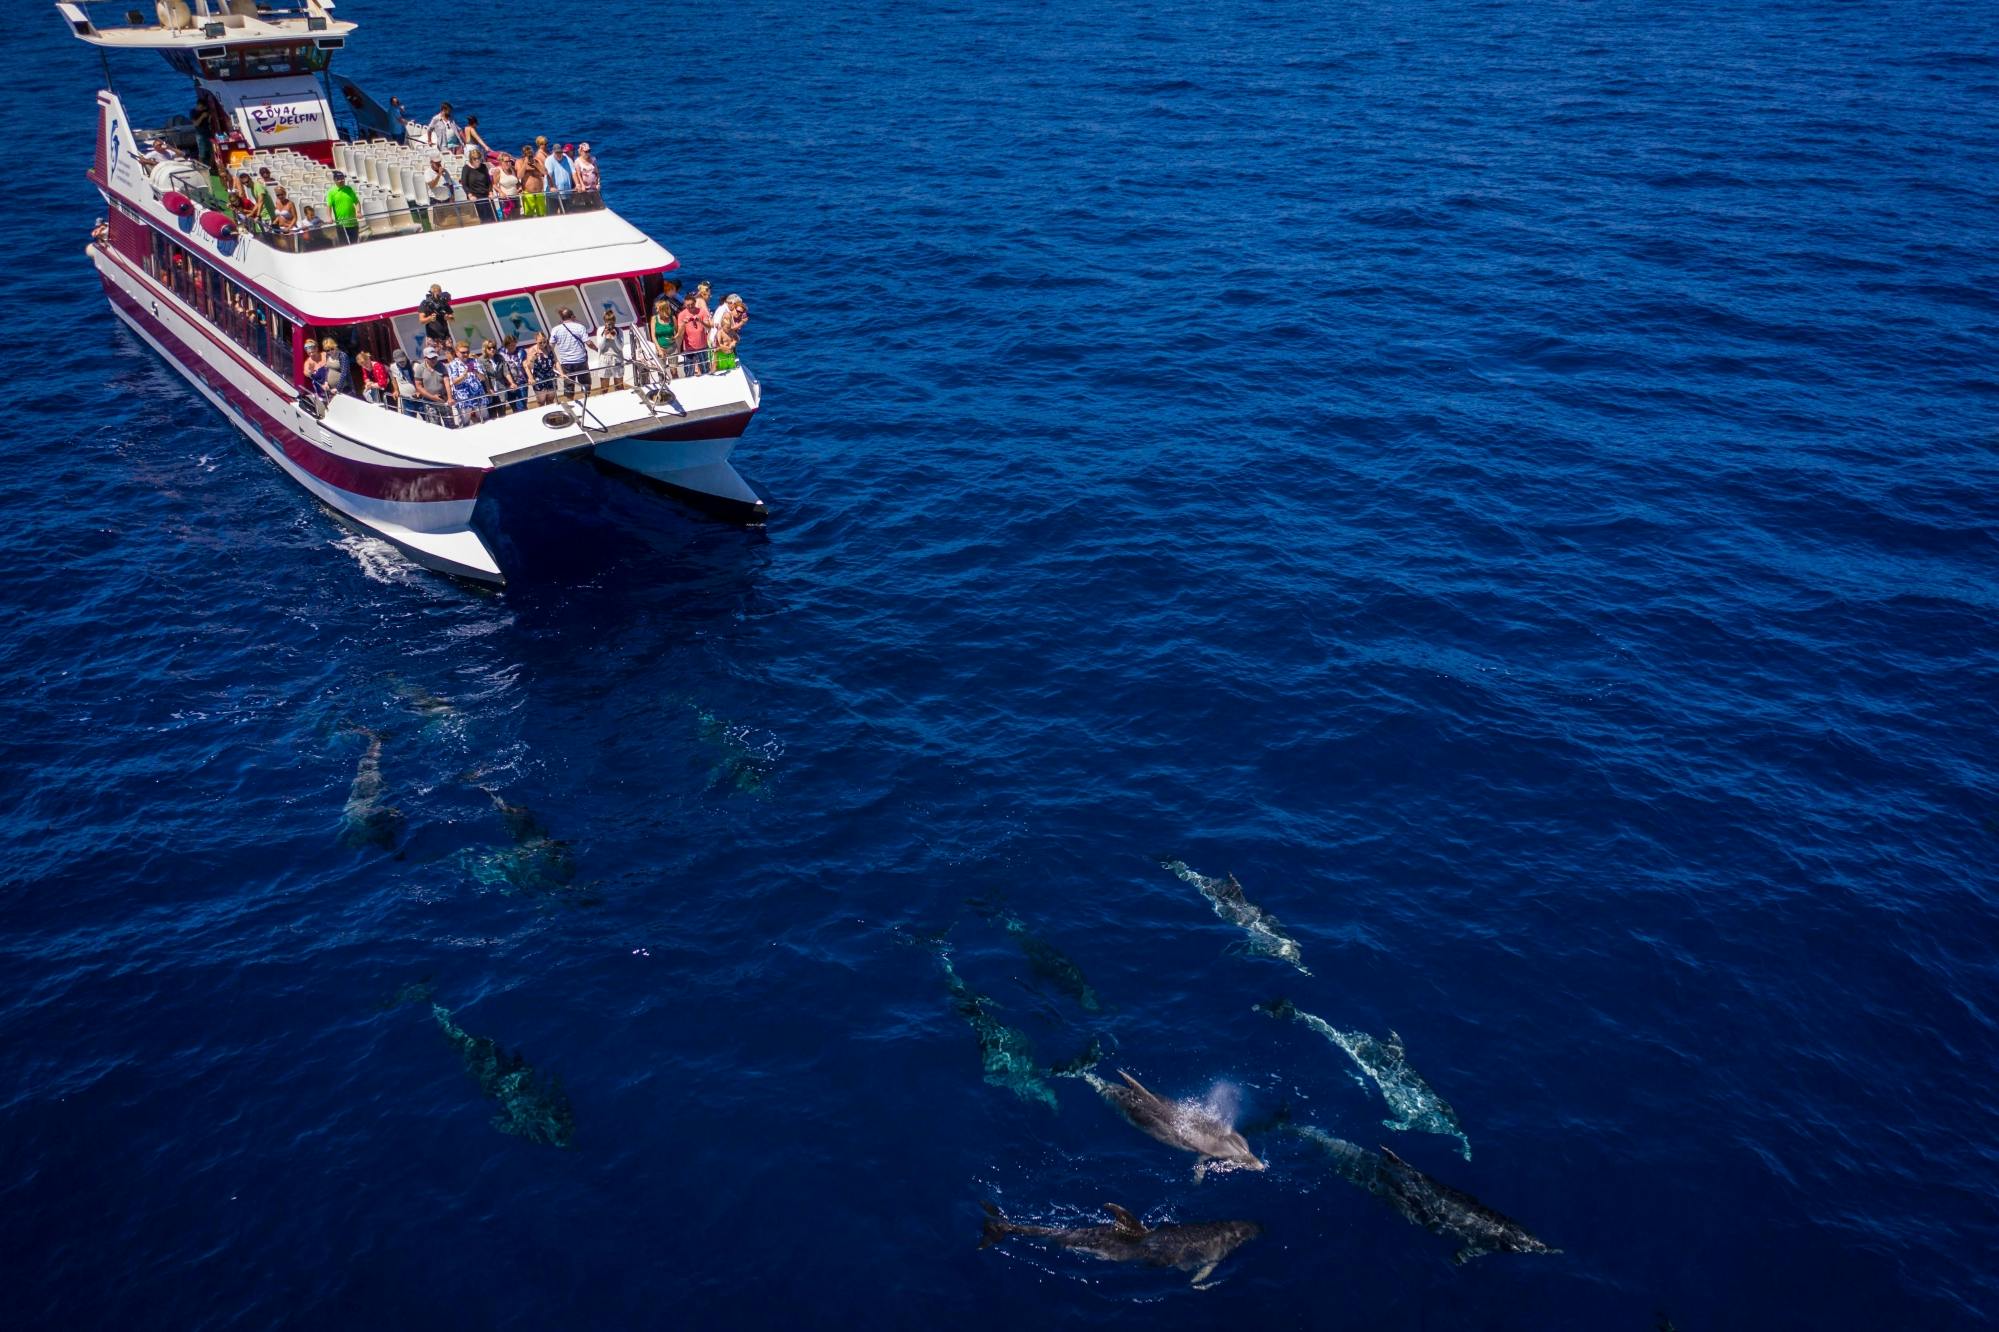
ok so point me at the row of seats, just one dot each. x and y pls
(384, 208)
(392, 167)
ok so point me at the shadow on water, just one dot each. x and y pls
(566, 522)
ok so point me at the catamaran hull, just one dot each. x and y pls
(425, 511)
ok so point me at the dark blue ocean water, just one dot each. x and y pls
(1515, 483)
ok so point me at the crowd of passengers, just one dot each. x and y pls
(452, 383)
(491, 185)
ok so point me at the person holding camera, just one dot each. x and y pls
(435, 312)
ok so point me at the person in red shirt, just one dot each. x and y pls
(374, 377)
(692, 322)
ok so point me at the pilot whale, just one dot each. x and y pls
(1415, 1102)
(365, 820)
(1044, 959)
(1266, 938)
(532, 1104)
(1191, 1126)
(1006, 1052)
(1426, 1202)
(1197, 1247)
(537, 864)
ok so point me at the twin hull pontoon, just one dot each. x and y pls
(235, 306)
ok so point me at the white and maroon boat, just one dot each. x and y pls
(233, 301)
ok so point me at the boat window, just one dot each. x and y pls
(517, 315)
(557, 299)
(472, 322)
(597, 295)
(226, 304)
(409, 332)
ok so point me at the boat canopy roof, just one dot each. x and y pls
(183, 25)
(344, 284)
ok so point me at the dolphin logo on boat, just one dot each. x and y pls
(1426, 1202)
(1198, 1247)
(365, 820)
(1006, 1052)
(532, 1104)
(1192, 1126)
(1043, 958)
(1417, 1107)
(1265, 937)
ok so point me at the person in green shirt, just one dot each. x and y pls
(345, 205)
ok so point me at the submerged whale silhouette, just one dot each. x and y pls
(1415, 1102)
(1265, 937)
(1196, 1247)
(1426, 1202)
(532, 1104)
(1005, 1052)
(1043, 958)
(536, 864)
(365, 820)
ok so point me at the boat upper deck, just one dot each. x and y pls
(208, 23)
(322, 279)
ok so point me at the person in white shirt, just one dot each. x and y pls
(613, 347)
(442, 190)
(444, 131)
(572, 351)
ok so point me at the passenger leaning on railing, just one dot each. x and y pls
(403, 380)
(284, 213)
(371, 377)
(468, 390)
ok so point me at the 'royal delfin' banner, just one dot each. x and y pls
(278, 113)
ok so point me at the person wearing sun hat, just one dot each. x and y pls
(345, 205)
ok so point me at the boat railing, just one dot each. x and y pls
(403, 219)
(640, 366)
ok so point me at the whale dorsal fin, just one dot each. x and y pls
(1396, 1159)
(1136, 1085)
(1127, 1224)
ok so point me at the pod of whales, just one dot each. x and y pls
(1423, 1201)
(1265, 937)
(1006, 1052)
(1191, 1126)
(1416, 1104)
(366, 820)
(1197, 1247)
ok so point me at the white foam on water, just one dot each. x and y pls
(379, 561)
